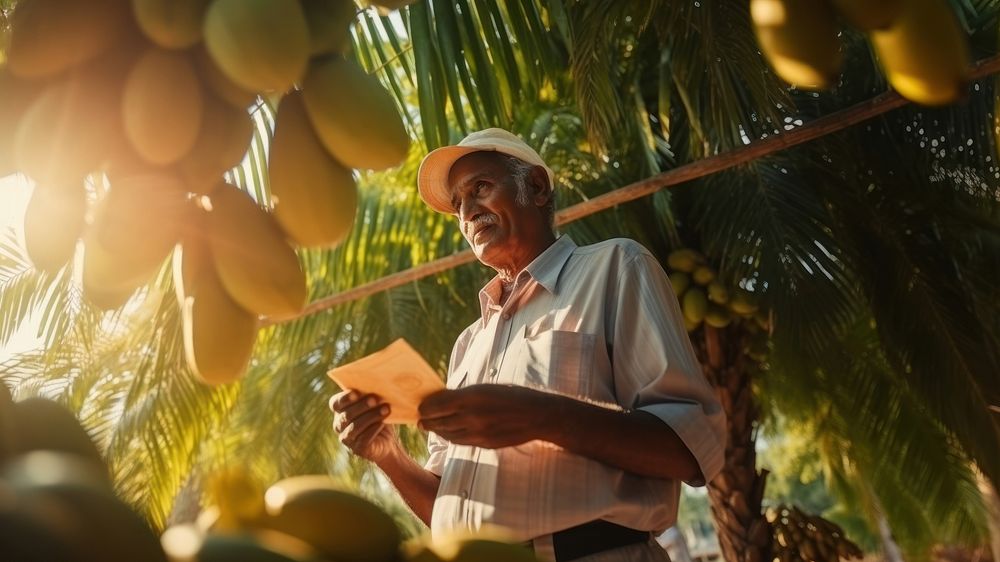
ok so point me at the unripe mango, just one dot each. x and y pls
(254, 261)
(315, 197)
(354, 116)
(800, 40)
(262, 45)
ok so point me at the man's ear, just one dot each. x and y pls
(541, 189)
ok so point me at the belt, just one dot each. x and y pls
(593, 537)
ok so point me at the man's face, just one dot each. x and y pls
(503, 232)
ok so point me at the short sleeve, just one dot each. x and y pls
(655, 367)
(437, 449)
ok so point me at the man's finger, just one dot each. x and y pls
(444, 424)
(356, 426)
(360, 406)
(438, 404)
(366, 435)
(343, 399)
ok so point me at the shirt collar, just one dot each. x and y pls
(546, 267)
(544, 270)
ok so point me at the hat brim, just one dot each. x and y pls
(432, 177)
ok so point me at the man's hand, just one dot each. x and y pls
(489, 415)
(358, 419)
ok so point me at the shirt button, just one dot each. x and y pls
(465, 495)
(493, 372)
(506, 316)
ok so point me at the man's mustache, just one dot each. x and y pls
(469, 227)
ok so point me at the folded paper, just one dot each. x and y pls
(397, 374)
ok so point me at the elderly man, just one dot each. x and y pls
(575, 405)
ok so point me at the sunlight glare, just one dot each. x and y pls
(15, 190)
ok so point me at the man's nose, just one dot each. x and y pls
(467, 209)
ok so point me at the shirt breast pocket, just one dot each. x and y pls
(557, 360)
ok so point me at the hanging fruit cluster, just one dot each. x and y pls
(705, 299)
(920, 45)
(800, 537)
(309, 518)
(56, 497)
(153, 98)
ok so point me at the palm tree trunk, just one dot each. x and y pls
(890, 550)
(736, 494)
(187, 502)
(992, 501)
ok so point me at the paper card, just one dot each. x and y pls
(398, 374)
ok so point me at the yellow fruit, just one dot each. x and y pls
(315, 198)
(218, 83)
(162, 106)
(122, 219)
(172, 24)
(53, 222)
(718, 293)
(90, 520)
(423, 553)
(691, 326)
(191, 256)
(742, 303)
(925, 54)
(7, 429)
(800, 40)
(50, 36)
(255, 263)
(329, 25)
(703, 275)
(222, 142)
(868, 14)
(684, 260)
(680, 281)
(108, 279)
(64, 133)
(261, 45)
(44, 425)
(717, 316)
(341, 525)
(219, 335)
(354, 116)
(694, 304)
(239, 497)
(123, 248)
(234, 548)
(15, 97)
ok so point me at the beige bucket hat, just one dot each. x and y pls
(432, 178)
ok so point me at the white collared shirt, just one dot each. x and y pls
(597, 322)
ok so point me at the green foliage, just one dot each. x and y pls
(876, 249)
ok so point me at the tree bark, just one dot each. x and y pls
(890, 550)
(992, 501)
(187, 502)
(736, 493)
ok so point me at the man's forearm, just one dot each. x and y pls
(637, 442)
(417, 486)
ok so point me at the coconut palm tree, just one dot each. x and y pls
(891, 223)
(865, 228)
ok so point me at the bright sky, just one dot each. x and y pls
(14, 193)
